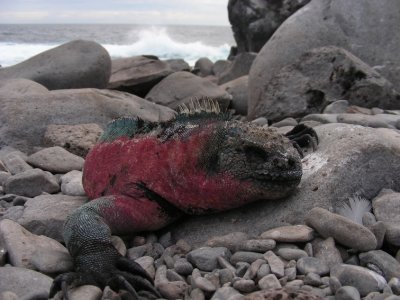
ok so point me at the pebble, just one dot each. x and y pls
(269, 282)
(364, 280)
(241, 268)
(205, 258)
(289, 234)
(291, 254)
(264, 270)
(71, 184)
(226, 293)
(147, 263)
(173, 276)
(253, 269)
(15, 164)
(336, 107)
(245, 285)
(275, 263)
(230, 241)
(290, 273)
(3, 177)
(386, 263)
(312, 279)
(306, 265)
(326, 251)
(347, 293)
(173, 290)
(183, 267)
(204, 284)
(225, 276)
(257, 245)
(343, 230)
(31, 183)
(394, 284)
(87, 292)
(56, 160)
(244, 256)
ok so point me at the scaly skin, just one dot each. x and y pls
(143, 176)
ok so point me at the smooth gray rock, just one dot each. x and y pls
(3, 177)
(337, 107)
(351, 25)
(225, 293)
(138, 74)
(275, 263)
(32, 183)
(394, 284)
(178, 64)
(285, 122)
(306, 265)
(231, 240)
(239, 67)
(87, 292)
(321, 118)
(364, 280)
(238, 88)
(347, 293)
(261, 245)
(317, 78)
(364, 120)
(182, 87)
(25, 283)
(56, 160)
(245, 256)
(291, 254)
(69, 107)
(253, 22)
(326, 251)
(312, 279)
(386, 263)
(76, 64)
(15, 163)
(77, 139)
(203, 67)
(269, 282)
(45, 215)
(333, 173)
(71, 184)
(32, 251)
(205, 258)
(290, 234)
(21, 86)
(220, 66)
(387, 207)
(342, 229)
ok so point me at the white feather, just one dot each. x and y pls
(355, 208)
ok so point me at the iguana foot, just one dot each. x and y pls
(303, 136)
(123, 274)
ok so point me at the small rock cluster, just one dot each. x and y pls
(331, 256)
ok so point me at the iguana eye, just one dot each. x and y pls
(255, 154)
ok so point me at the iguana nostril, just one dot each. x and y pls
(255, 154)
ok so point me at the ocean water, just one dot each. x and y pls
(20, 42)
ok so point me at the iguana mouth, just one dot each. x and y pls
(285, 176)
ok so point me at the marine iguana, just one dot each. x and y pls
(143, 176)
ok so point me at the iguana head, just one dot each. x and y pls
(254, 155)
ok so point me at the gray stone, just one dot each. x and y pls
(172, 290)
(269, 282)
(147, 263)
(315, 79)
(306, 265)
(392, 234)
(202, 283)
(263, 271)
(220, 66)
(363, 120)
(76, 64)
(15, 163)
(197, 294)
(71, 184)
(77, 139)
(253, 22)
(312, 279)
(379, 230)
(87, 292)
(205, 258)
(253, 269)
(33, 252)
(203, 67)
(21, 86)
(364, 280)
(244, 256)
(347, 293)
(291, 254)
(342, 229)
(336, 107)
(386, 263)
(25, 283)
(12, 213)
(245, 285)
(351, 25)
(239, 67)
(31, 183)
(138, 74)
(331, 175)
(275, 263)
(45, 215)
(181, 87)
(394, 284)
(238, 88)
(231, 240)
(326, 251)
(241, 268)
(285, 122)
(257, 245)
(289, 234)
(321, 118)
(68, 107)
(183, 267)
(387, 207)
(3, 177)
(178, 64)
(56, 160)
(226, 293)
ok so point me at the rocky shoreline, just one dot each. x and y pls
(336, 237)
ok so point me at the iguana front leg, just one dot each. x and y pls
(87, 234)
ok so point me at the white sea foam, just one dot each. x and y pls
(152, 41)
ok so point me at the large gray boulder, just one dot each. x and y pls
(254, 21)
(349, 160)
(318, 78)
(366, 28)
(138, 74)
(240, 67)
(77, 64)
(182, 87)
(24, 118)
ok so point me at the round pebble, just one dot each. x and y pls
(311, 264)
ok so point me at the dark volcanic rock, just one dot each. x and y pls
(253, 22)
(351, 25)
(77, 64)
(333, 173)
(182, 87)
(319, 77)
(138, 74)
(69, 107)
